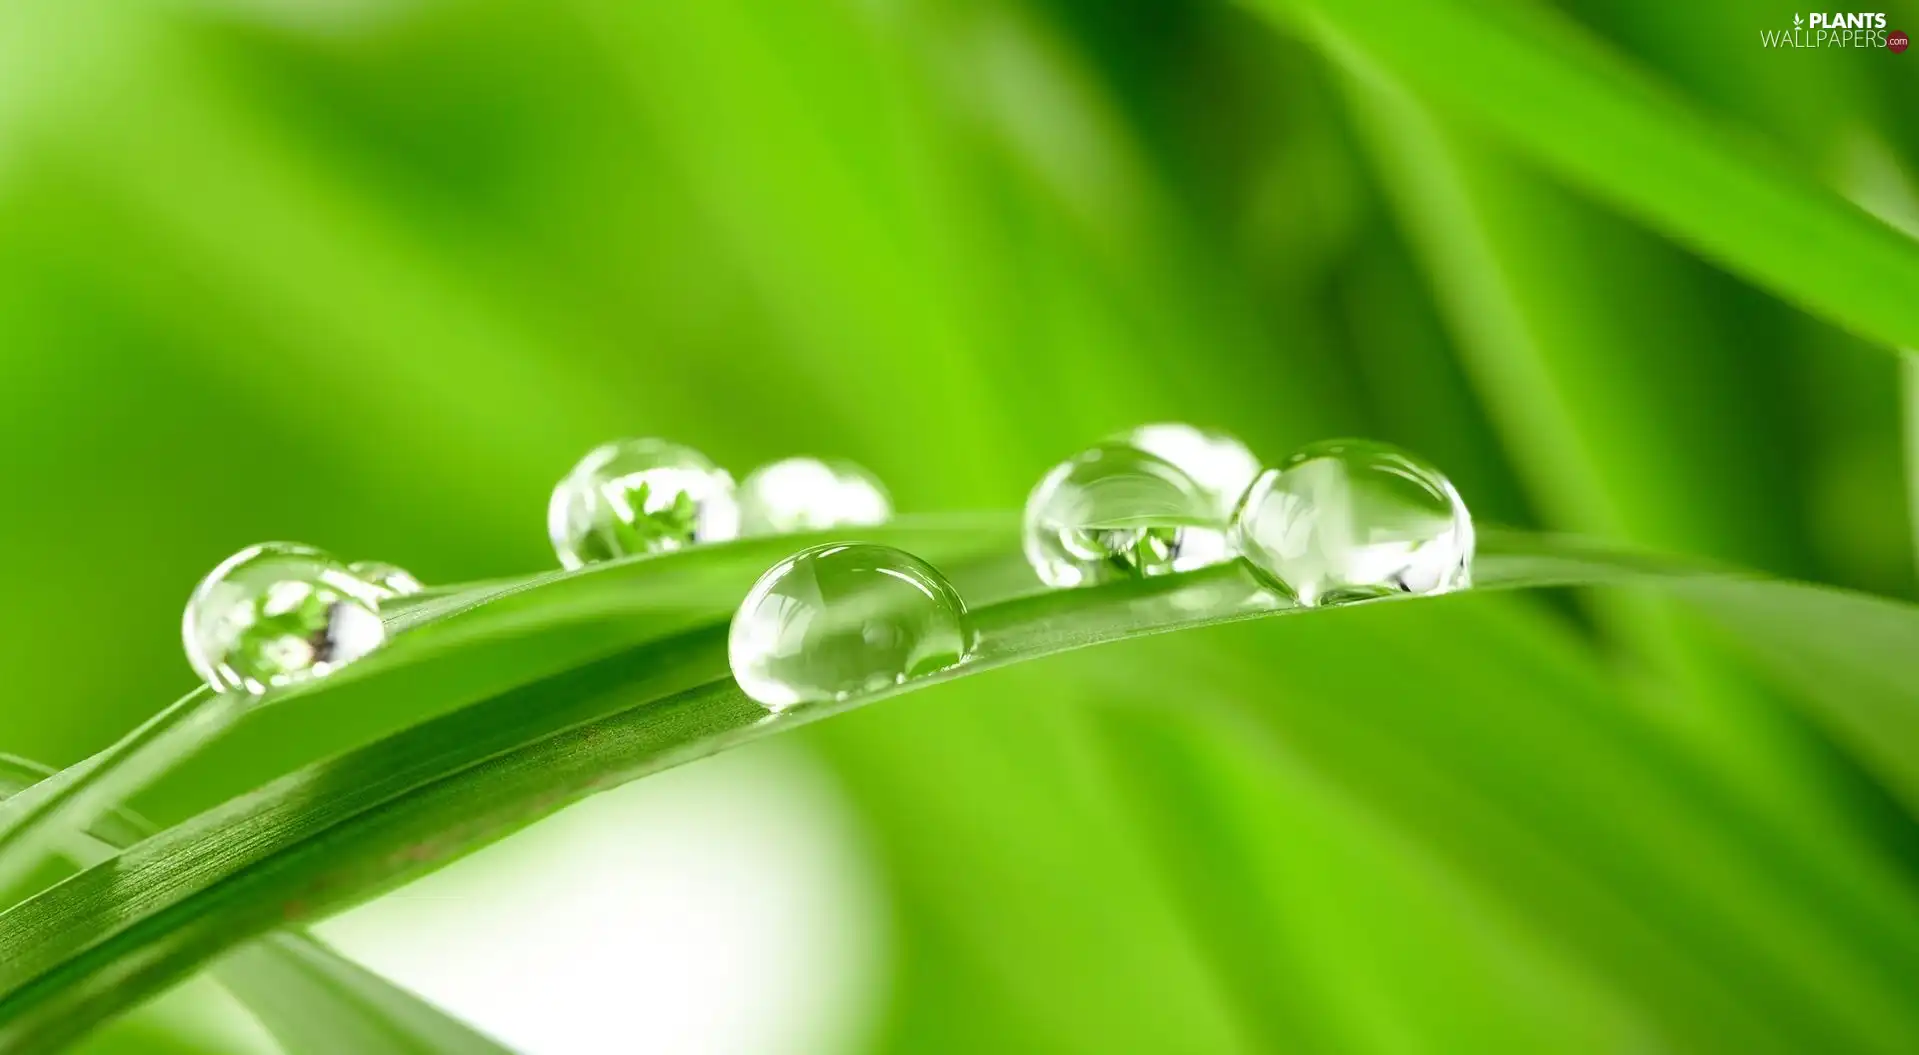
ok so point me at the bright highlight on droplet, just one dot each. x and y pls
(1346, 520)
(639, 496)
(1115, 512)
(279, 613)
(807, 494)
(1222, 466)
(390, 579)
(841, 620)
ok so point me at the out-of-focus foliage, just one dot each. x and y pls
(372, 276)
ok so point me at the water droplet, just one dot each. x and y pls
(279, 613)
(1221, 465)
(390, 579)
(807, 494)
(840, 620)
(1115, 512)
(633, 497)
(1350, 519)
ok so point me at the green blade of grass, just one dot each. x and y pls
(349, 826)
(537, 626)
(33, 821)
(1879, 185)
(1491, 754)
(1553, 93)
(316, 1002)
(1656, 882)
(310, 998)
(1537, 323)
(1909, 381)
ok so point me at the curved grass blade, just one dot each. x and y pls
(555, 621)
(1551, 92)
(343, 829)
(310, 998)
(32, 821)
(316, 1002)
(1821, 645)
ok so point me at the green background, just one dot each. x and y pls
(372, 276)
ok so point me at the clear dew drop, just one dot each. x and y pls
(279, 613)
(1115, 512)
(633, 497)
(1222, 466)
(1347, 520)
(390, 579)
(841, 620)
(808, 494)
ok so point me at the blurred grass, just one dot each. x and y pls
(372, 276)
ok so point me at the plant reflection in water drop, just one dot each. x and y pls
(276, 614)
(1115, 512)
(639, 496)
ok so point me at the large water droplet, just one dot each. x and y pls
(633, 497)
(807, 494)
(1221, 465)
(279, 613)
(1114, 512)
(840, 620)
(390, 579)
(1351, 519)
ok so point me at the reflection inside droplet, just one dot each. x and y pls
(639, 496)
(279, 613)
(1115, 512)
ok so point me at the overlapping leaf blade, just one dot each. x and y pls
(346, 826)
(1553, 93)
(311, 999)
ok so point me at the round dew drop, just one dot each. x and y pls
(1115, 512)
(807, 494)
(1222, 466)
(390, 579)
(841, 620)
(1348, 520)
(276, 614)
(640, 496)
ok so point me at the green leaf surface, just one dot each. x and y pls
(450, 651)
(340, 827)
(312, 1000)
(316, 1002)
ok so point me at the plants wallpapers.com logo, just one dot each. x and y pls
(1853, 29)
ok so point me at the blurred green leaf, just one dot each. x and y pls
(1817, 642)
(1638, 426)
(316, 1002)
(1420, 808)
(1530, 76)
